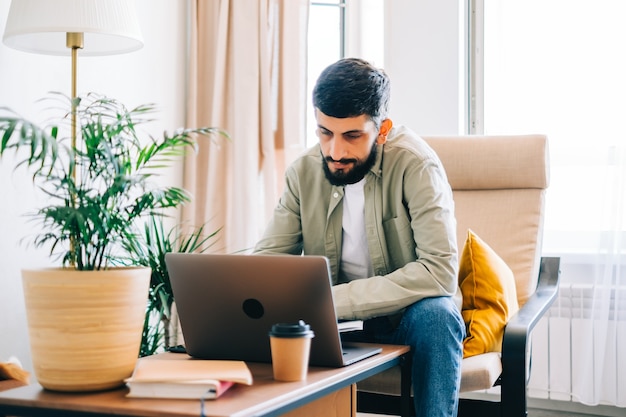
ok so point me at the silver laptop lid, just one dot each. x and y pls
(228, 303)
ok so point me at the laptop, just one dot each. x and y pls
(227, 305)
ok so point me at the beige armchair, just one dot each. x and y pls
(499, 185)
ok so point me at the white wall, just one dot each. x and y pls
(423, 58)
(154, 74)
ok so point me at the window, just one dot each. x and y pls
(326, 45)
(557, 67)
(338, 29)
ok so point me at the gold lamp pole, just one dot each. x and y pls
(74, 41)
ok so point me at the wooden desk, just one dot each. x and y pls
(325, 390)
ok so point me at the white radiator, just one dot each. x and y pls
(561, 368)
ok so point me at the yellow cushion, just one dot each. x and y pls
(489, 296)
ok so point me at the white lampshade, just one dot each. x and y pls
(40, 26)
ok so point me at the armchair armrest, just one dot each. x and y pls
(517, 335)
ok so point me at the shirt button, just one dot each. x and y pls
(336, 195)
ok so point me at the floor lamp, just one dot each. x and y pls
(62, 27)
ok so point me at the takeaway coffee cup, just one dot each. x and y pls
(290, 345)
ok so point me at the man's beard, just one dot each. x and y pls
(356, 174)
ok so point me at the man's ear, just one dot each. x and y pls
(385, 128)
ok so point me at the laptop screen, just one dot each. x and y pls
(228, 303)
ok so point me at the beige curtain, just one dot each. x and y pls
(248, 77)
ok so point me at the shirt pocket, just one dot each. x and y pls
(400, 242)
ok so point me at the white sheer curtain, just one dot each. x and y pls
(248, 77)
(558, 67)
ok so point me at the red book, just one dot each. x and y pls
(179, 376)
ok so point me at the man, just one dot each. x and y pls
(375, 200)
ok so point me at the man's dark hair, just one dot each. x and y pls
(351, 87)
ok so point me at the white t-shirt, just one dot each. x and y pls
(355, 256)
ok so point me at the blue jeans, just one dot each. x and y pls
(434, 329)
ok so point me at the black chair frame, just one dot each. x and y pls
(515, 360)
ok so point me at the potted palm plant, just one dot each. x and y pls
(86, 316)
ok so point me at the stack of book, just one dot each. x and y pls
(180, 376)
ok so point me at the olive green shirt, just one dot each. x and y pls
(409, 223)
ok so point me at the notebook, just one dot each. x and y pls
(227, 305)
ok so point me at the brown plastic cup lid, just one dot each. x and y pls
(299, 329)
